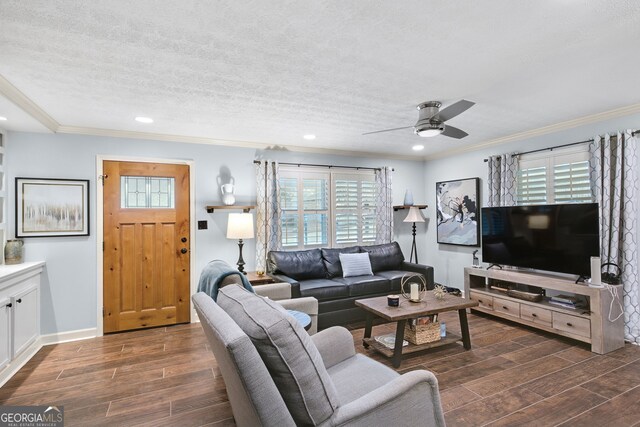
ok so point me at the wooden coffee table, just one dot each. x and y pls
(409, 310)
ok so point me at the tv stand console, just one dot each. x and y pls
(590, 325)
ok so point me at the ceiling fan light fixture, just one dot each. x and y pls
(429, 129)
(418, 147)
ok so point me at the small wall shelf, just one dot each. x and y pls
(245, 209)
(402, 207)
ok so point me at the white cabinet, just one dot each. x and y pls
(25, 317)
(5, 332)
(19, 315)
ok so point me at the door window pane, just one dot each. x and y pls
(147, 192)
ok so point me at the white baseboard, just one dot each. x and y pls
(58, 338)
(14, 366)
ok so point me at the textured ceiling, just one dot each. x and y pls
(270, 72)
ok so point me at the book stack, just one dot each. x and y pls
(568, 301)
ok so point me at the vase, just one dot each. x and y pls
(408, 198)
(13, 252)
(227, 194)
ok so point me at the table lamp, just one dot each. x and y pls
(414, 216)
(240, 227)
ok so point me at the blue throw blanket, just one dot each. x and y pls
(214, 273)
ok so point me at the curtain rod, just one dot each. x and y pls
(561, 146)
(326, 166)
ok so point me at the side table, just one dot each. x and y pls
(256, 280)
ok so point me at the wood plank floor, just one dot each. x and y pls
(513, 376)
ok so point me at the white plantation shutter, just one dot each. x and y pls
(532, 186)
(289, 206)
(368, 214)
(571, 182)
(354, 209)
(559, 176)
(304, 202)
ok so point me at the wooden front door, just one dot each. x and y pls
(146, 245)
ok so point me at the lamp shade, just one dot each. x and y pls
(240, 226)
(414, 215)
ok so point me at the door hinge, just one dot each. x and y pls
(102, 311)
(102, 246)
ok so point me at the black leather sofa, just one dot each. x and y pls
(318, 273)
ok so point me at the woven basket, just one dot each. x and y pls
(422, 334)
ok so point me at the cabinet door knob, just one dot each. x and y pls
(183, 250)
(19, 300)
(183, 240)
(9, 305)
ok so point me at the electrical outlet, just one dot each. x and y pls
(202, 225)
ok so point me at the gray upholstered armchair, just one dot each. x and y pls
(277, 375)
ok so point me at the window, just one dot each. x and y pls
(323, 208)
(354, 209)
(559, 176)
(147, 192)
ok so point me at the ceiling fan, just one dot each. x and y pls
(431, 120)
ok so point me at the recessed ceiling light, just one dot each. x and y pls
(418, 147)
(2, 118)
(309, 137)
(144, 119)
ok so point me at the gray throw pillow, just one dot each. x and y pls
(355, 265)
(288, 353)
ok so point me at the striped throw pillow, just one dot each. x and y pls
(355, 265)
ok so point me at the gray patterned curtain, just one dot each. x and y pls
(502, 179)
(384, 206)
(614, 182)
(268, 213)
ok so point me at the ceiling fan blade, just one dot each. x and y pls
(454, 109)
(387, 130)
(452, 132)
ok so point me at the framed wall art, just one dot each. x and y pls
(457, 212)
(52, 207)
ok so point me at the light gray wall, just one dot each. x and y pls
(448, 260)
(69, 286)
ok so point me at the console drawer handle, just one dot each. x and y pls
(569, 324)
(505, 307)
(534, 315)
(480, 301)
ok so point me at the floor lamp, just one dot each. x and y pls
(240, 226)
(414, 216)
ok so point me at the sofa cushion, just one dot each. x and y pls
(323, 289)
(288, 352)
(395, 277)
(299, 265)
(387, 256)
(365, 285)
(331, 259)
(355, 265)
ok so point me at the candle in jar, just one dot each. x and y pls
(414, 292)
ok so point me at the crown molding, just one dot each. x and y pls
(79, 130)
(27, 105)
(569, 124)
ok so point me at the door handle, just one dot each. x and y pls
(183, 250)
(183, 240)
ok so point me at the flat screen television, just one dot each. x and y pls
(560, 238)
